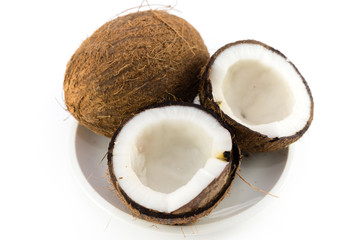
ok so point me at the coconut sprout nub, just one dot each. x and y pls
(172, 164)
(131, 62)
(260, 93)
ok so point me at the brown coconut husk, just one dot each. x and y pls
(201, 205)
(131, 62)
(249, 140)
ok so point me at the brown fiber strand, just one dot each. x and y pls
(105, 155)
(163, 8)
(193, 225)
(252, 186)
(97, 166)
(108, 223)
(182, 230)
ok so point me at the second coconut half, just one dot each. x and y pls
(173, 163)
(259, 93)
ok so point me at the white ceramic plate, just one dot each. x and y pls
(267, 171)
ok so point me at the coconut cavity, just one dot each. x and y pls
(131, 62)
(260, 93)
(172, 164)
(257, 94)
(170, 153)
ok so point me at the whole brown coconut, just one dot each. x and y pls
(131, 62)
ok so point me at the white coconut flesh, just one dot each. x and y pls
(260, 89)
(164, 157)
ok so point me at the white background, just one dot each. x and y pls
(40, 198)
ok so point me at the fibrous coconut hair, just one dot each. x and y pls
(131, 62)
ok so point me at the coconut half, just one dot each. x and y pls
(260, 93)
(172, 164)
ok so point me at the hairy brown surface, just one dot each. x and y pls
(201, 205)
(131, 62)
(249, 140)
